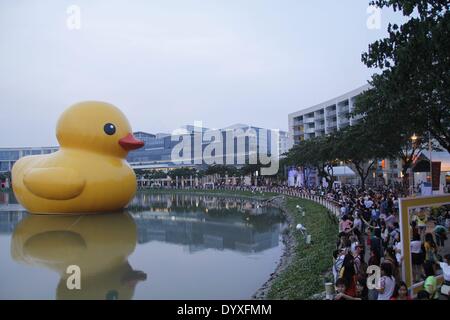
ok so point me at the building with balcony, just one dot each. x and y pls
(324, 118)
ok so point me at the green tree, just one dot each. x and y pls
(413, 88)
(389, 118)
(250, 169)
(317, 153)
(222, 170)
(182, 173)
(362, 148)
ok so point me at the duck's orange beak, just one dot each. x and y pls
(130, 143)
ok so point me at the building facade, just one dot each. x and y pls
(158, 148)
(235, 144)
(331, 116)
(8, 156)
(324, 118)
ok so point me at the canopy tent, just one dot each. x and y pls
(343, 171)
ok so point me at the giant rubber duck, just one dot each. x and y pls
(89, 173)
(57, 242)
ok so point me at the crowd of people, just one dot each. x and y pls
(370, 238)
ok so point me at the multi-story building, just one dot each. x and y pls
(157, 152)
(8, 156)
(324, 118)
(335, 114)
(331, 116)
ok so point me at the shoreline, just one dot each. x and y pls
(285, 276)
(290, 244)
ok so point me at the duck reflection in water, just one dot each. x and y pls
(98, 244)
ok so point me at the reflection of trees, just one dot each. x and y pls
(199, 234)
(210, 208)
(195, 203)
(260, 223)
(202, 221)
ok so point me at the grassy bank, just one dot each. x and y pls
(303, 277)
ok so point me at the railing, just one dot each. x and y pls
(319, 116)
(320, 126)
(310, 129)
(331, 205)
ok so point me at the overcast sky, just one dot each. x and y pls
(167, 63)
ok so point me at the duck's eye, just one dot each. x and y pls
(109, 129)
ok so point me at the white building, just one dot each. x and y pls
(330, 116)
(334, 114)
(323, 118)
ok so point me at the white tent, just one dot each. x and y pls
(343, 171)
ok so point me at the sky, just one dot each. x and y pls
(168, 63)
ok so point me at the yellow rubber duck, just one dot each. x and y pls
(59, 242)
(89, 173)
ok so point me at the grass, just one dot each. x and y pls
(304, 276)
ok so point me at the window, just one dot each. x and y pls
(4, 165)
(9, 155)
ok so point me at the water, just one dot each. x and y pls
(166, 246)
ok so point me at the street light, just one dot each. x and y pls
(414, 140)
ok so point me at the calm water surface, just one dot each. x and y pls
(164, 246)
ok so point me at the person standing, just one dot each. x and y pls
(387, 285)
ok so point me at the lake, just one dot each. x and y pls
(163, 246)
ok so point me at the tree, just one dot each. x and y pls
(250, 169)
(5, 175)
(155, 174)
(317, 153)
(362, 148)
(222, 170)
(182, 173)
(385, 124)
(413, 89)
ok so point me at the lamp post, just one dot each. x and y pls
(431, 161)
(414, 140)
